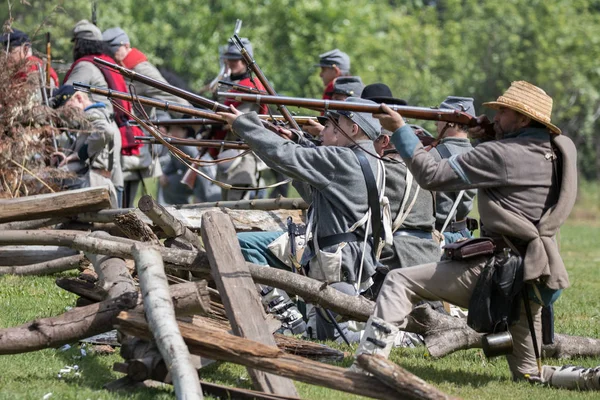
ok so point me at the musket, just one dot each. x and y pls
(205, 121)
(242, 88)
(193, 98)
(219, 144)
(424, 113)
(48, 59)
(161, 105)
(263, 79)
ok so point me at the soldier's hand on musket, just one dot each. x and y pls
(479, 131)
(229, 117)
(389, 119)
(285, 133)
(312, 127)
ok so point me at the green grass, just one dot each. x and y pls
(466, 374)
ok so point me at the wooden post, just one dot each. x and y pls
(54, 205)
(161, 318)
(239, 295)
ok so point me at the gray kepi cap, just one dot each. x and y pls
(115, 38)
(84, 29)
(370, 126)
(348, 85)
(233, 53)
(335, 58)
(462, 104)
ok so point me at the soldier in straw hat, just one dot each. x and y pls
(527, 182)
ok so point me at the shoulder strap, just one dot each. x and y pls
(372, 196)
(443, 150)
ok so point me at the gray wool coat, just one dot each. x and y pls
(333, 179)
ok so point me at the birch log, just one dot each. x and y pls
(161, 319)
(170, 225)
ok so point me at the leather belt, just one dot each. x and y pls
(414, 232)
(105, 173)
(454, 227)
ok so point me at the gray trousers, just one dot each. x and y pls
(453, 282)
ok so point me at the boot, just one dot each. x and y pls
(378, 338)
(572, 377)
(278, 303)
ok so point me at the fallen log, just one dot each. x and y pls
(278, 203)
(356, 308)
(240, 296)
(83, 288)
(444, 335)
(409, 386)
(215, 344)
(191, 217)
(83, 322)
(12, 256)
(170, 225)
(33, 224)
(289, 344)
(44, 268)
(134, 228)
(54, 205)
(161, 318)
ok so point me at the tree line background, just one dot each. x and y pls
(424, 50)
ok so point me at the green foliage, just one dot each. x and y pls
(424, 50)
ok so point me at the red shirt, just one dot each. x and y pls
(32, 67)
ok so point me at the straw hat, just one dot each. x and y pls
(529, 100)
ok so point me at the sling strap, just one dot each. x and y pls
(372, 197)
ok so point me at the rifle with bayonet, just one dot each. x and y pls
(423, 113)
(263, 79)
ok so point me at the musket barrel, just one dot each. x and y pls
(205, 121)
(225, 144)
(179, 122)
(165, 87)
(163, 105)
(407, 111)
